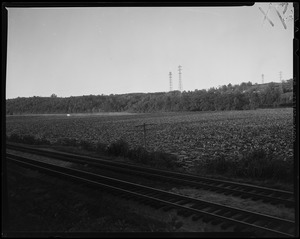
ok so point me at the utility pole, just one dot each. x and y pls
(144, 133)
(170, 76)
(262, 78)
(180, 80)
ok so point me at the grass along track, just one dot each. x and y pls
(268, 195)
(227, 217)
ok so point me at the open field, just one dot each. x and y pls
(192, 136)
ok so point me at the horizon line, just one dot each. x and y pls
(143, 92)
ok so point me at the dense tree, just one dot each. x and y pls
(237, 97)
(253, 100)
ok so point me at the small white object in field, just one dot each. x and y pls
(68, 115)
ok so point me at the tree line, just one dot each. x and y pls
(227, 97)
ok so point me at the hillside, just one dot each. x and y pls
(226, 97)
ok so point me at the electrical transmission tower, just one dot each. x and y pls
(170, 76)
(262, 78)
(180, 80)
(280, 76)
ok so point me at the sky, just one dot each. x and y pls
(117, 50)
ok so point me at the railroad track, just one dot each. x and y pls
(244, 191)
(226, 217)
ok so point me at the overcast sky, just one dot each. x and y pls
(116, 50)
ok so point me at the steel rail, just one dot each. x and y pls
(226, 187)
(214, 212)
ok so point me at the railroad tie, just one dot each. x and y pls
(250, 219)
(199, 207)
(221, 212)
(212, 210)
(239, 217)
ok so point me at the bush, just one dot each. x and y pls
(249, 165)
(118, 148)
(260, 164)
(164, 160)
(27, 139)
(44, 141)
(15, 138)
(257, 164)
(101, 148)
(153, 159)
(86, 145)
(139, 155)
(219, 165)
(67, 142)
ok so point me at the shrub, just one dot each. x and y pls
(101, 148)
(164, 160)
(139, 155)
(27, 139)
(218, 165)
(44, 141)
(257, 164)
(15, 138)
(86, 145)
(118, 148)
(67, 142)
(154, 159)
